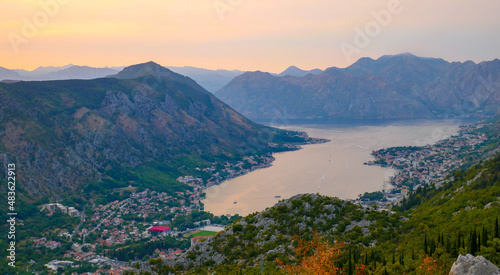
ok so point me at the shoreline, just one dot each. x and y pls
(418, 166)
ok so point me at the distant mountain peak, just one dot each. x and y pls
(295, 71)
(293, 68)
(406, 54)
(143, 69)
(156, 71)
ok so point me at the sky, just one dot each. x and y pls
(266, 35)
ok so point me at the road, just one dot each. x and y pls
(82, 219)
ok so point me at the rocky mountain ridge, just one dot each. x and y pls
(64, 133)
(397, 86)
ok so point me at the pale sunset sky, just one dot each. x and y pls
(267, 35)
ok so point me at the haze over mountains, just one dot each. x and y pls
(393, 86)
(65, 133)
(211, 80)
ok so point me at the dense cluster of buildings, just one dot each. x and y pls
(130, 219)
(51, 207)
(417, 166)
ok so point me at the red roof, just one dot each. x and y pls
(159, 228)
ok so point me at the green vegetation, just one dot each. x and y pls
(425, 233)
(143, 249)
(373, 196)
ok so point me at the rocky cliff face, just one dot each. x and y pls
(400, 86)
(62, 134)
(470, 265)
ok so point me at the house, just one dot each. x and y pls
(73, 212)
(84, 256)
(159, 230)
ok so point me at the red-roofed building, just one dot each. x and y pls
(159, 230)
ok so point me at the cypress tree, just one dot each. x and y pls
(478, 241)
(484, 241)
(350, 264)
(496, 228)
(393, 258)
(432, 247)
(425, 244)
(473, 243)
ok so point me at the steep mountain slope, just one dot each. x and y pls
(333, 93)
(62, 134)
(398, 86)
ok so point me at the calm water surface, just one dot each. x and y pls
(334, 168)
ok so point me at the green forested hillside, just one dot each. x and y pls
(423, 235)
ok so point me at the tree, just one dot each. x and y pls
(428, 266)
(315, 257)
(496, 228)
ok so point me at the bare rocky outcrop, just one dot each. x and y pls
(470, 265)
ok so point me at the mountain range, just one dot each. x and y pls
(393, 86)
(212, 80)
(69, 132)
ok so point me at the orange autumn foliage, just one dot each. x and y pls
(316, 257)
(428, 266)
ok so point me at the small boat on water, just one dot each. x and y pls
(277, 197)
(235, 202)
